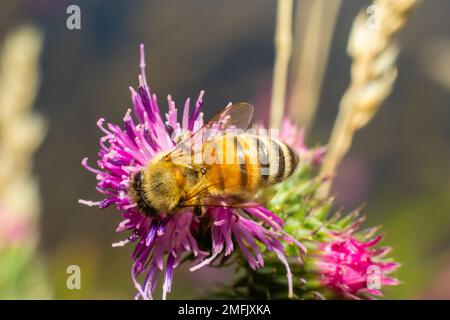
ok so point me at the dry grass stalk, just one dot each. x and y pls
(315, 22)
(374, 52)
(283, 49)
(21, 132)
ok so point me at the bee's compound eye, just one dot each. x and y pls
(203, 170)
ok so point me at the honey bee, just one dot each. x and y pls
(227, 169)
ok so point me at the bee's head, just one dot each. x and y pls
(162, 185)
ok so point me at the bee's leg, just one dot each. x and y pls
(198, 211)
(152, 212)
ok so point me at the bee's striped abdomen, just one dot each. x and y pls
(245, 163)
(278, 160)
(249, 162)
(228, 171)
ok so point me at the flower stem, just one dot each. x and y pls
(283, 50)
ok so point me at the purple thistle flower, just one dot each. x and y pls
(295, 137)
(350, 268)
(162, 241)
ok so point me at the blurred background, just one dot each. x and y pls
(398, 164)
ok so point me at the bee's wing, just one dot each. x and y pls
(202, 196)
(235, 116)
(244, 200)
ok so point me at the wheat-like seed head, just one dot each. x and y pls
(21, 131)
(283, 50)
(373, 73)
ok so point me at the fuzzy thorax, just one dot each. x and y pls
(163, 185)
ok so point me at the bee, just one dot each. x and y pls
(228, 168)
